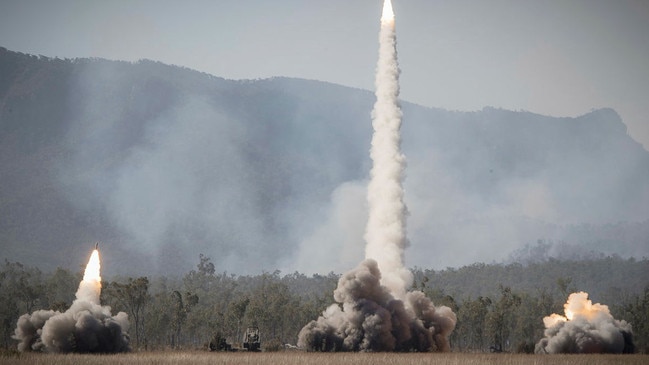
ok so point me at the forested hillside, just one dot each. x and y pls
(187, 311)
(161, 163)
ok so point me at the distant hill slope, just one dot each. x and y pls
(161, 163)
(607, 280)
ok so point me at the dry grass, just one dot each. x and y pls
(302, 358)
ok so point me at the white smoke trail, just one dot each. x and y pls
(386, 226)
(585, 328)
(373, 310)
(86, 326)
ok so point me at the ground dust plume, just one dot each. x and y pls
(86, 327)
(373, 310)
(585, 328)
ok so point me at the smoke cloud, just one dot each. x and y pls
(585, 328)
(86, 327)
(367, 317)
(373, 310)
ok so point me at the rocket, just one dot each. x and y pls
(96, 245)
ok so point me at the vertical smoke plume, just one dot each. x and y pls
(373, 311)
(86, 327)
(585, 328)
(386, 225)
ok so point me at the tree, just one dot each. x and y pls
(235, 313)
(500, 320)
(182, 306)
(528, 322)
(25, 285)
(60, 289)
(471, 322)
(271, 307)
(21, 291)
(203, 278)
(216, 291)
(133, 296)
(564, 284)
(636, 312)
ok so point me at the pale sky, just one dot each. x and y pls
(553, 57)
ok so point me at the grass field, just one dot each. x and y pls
(303, 358)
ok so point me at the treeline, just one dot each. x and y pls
(499, 307)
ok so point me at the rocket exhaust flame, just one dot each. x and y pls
(373, 310)
(585, 328)
(387, 15)
(90, 286)
(85, 327)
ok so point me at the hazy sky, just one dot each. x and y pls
(559, 58)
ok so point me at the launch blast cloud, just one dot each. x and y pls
(86, 327)
(373, 310)
(367, 317)
(585, 328)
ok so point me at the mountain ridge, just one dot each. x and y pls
(163, 163)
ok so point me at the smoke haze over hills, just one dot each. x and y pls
(267, 174)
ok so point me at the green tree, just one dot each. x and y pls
(182, 305)
(272, 307)
(133, 297)
(216, 291)
(160, 312)
(528, 320)
(21, 291)
(472, 314)
(25, 285)
(565, 288)
(203, 279)
(636, 312)
(501, 319)
(235, 314)
(60, 289)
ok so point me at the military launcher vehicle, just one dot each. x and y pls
(251, 339)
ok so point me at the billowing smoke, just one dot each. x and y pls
(585, 328)
(367, 317)
(86, 327)
(373, 310)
